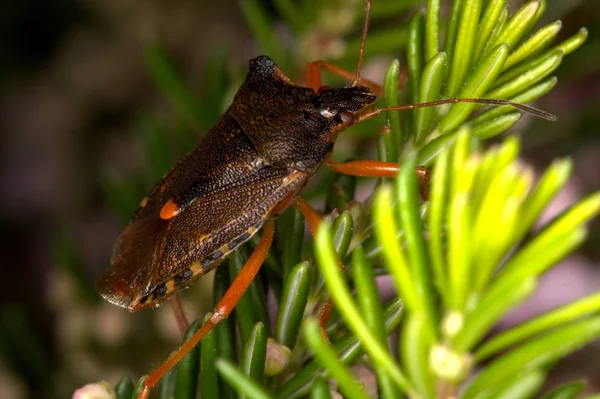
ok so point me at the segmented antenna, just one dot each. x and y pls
(487, 101)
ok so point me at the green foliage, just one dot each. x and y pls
(459, 262)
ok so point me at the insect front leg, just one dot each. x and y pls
(379, 169)
(314, 81)
(313, 76)
(222, 309)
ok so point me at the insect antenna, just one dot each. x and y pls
(363, 40)
(487, 101)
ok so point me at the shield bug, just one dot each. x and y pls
(248, 169)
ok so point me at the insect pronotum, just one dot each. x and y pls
(248, 169)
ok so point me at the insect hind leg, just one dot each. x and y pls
(178, 312)
(221, 311)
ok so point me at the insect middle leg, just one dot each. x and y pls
(379, 169)
(222, 309)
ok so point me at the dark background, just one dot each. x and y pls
(73, 87)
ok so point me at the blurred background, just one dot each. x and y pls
(79, 109)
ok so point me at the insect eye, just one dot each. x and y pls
(324, 88)
(346, 118)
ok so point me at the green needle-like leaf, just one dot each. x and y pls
(188, 367)
(488, 22)
(225, 330)
(496, 125)
(547, 321)
(520, 23)
(431, 85)
(341, 192)
(535, 354)
(432, 29)
(414, 56)
(408, 197)
(343, 227)
(393, 139)
(539, 40)
(553, 251)
(414, 353)
(566, 391)
(347, 349)
(254, 354)
(166, 390)
(452, 29)
(541, 252)
(372, 311)
(573, 43)
(428, 153)
(481, 78)
(209, 351)
(291, 307)
(516, 72)
(548, 186)
(124, 388)
(489, 311)
(465, 41)
(459, 238)
(498, 28)
(139, 387)
(327, 261)
(523, 386)
(534, 75)
(438, 194)
(294, 238)
(239, 381)
(320, 390)
(386, 231)
(327, 356)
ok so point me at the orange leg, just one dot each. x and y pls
(402, 78)
(222, 310)
(314, 220)
(180, 318)
(312, 217)
(313, 76)
(379, 169)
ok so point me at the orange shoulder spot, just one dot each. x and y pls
(169, 210)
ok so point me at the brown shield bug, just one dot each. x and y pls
(248, 169)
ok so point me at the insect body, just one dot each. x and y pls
(248, 169)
